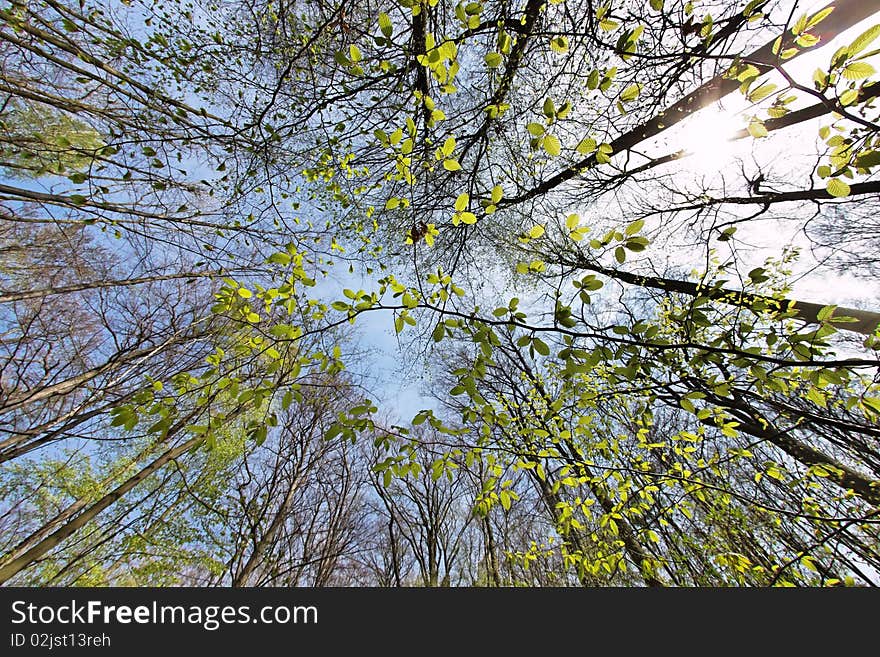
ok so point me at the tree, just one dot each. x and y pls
(199, 201)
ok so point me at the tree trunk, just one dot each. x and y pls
(866, 322)
(846, 14)
(55, 539)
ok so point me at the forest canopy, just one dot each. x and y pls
(436, 293)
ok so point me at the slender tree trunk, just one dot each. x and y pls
(631, 544)
(754, 424)
(551, 500)
(395, 558)
(491, 560)
(17, 401)
(94, 285)
(61, 517)
(53, 540)
(627, 535)
(265, 541)
(846, 14)
(866, 322)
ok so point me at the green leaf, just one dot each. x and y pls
(497, 193)
(535, 129)
(620, 254)
(461, 202)
(760, 93)
(871, 404)
(448, 146)
(752, 6)
(586, 146)
(284, 331)
(858, 71)
(451, 165)
(837, 188)
(825, 313)
(818, 17)
(493, 59)
(541, 347)
(385, 24)
(868, 159)
(726, 234)
(245, 293)
(468, 218)
(635, 227)
(549, 108)
(630, 93)
(552, 145)
(535, 232)
(863, 40)
(559, 44)
(603, 154)
(572, 221)
(259, 435)
(757, 129)
(279, 258)
(804, 40)
(848, 97)
(636, 244)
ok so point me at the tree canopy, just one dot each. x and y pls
(624, 254)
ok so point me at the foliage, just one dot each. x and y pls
(226, 198)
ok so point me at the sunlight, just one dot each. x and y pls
(707, 137)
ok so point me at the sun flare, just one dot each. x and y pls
(709, 138)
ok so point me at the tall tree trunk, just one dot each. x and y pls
(53, 540)
(846, 14)
(94, 285)
(866, 322)
(752, 422)
(265, 541)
